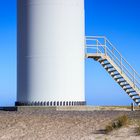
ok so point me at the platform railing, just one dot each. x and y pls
(100, 44)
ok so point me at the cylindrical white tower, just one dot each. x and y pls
(50, 49)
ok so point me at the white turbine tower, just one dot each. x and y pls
(50, 49)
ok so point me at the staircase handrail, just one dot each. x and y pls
(121, 62)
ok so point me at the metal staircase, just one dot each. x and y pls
(101, 49)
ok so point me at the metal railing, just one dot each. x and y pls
(100, 44)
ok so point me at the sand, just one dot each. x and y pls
(65, 125)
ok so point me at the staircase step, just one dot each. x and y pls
(136, 101)
(125, 85)
(130, 92)
(96, 58)
(110, 67)
(134, 95)
(111, 71)
(102, 60)
(115, 74)
(121, 81)
(137, 98)
(118, 78)
(127, 88)
(106, 64)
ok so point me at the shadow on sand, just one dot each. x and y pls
(13, 108)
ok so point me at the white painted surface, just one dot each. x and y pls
(50, 50)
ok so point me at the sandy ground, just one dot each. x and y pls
(64, 125)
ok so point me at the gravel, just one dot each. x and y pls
(63, 125)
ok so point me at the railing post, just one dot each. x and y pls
(132, 107)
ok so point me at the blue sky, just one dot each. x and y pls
(118, 20)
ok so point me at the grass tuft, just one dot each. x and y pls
(117, 123)
(138, 129)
